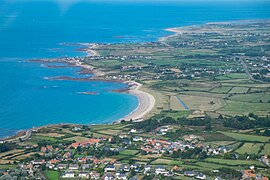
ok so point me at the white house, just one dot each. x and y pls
(110, 167)
(68, 174)
(73, 167)
(83, 175)
(201, 176)
(133, 131)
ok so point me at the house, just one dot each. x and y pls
(169, 174)
(73, 167)
(224, 149)
(50, 166)
(77, 129)
(68, 174)
(201, 176)
(87, 143)
(147, 168)
(249, 174)
(83, 175)
(133, 178)
(133, 131)
(264, 159)
(86, 166)
(38, 162)
(108, 176)
(125, 168)
(127, 142)
(43, 149)
(118, 149)
(94, 175)
(122, 176)
(82, 159)
(62, 166)
(136, 139)
(109, 167)
(163, 130)
(53, 161)
(49, 148)
(136, 167)
(160, 169)
(189, 173)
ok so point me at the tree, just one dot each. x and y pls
(229, 173)
(208, 127)
(220, 117)
(266, 132)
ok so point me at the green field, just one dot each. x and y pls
(239, 90)
(167, 162)
(202, 102)
(129, 152)
(238, 108)
(52, 175)
(247, 137)
(232, 76)
(266, 149)
(176, 114)
(249, 148)
(42, 138)
(253, 98)
(211, 165)
(7, 166)
(234, 162)
(214, 136)
(222, 89)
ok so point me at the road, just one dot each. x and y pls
(246, 70)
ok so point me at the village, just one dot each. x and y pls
(103, 157)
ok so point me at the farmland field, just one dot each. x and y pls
(238, 90)
(247, 137)
(52, 175)
(223, 89)
(266, 149)
(238, 108)
(249, 148)
(6, 166)
(201, 102)
(129, 152)
(234, 162)
(255, 97)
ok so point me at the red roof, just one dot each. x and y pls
(249, 173)
(43, 149)
(53, 161)
(49, 147)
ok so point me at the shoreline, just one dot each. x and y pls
(146, 100)
(145, 105)
(175, 31)
(182, 29)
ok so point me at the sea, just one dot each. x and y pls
(33, 29)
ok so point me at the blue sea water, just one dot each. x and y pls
(36, 29)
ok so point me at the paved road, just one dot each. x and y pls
(246, 70)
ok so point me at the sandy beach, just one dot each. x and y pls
(146, 103)
(176, 31)
(90, 50)
(146, 100)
